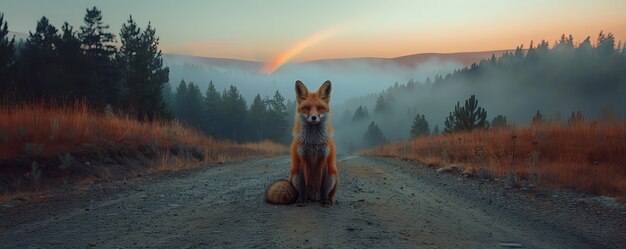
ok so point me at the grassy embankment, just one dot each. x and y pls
(585, 157)
(42, 147)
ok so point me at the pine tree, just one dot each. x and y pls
(158, 74)
(168, 98)
(38, 59)
(436, 130)
(7, 59)
(234, 114)
(143, 74)
(466, 118)
(565, 44)
(96, 40)
(73, 72)
(381, 105)
(451, 124)
(360, 114)
(499, 122)
(195, 106)
(189, 104)
(290, 108)
(277, 125)
(130, 65)
(98, 45)
(605, 44)
(584, 50)
(411, 84)
(213, 109)
(419, 126)
(181, 99)
(373, 136)
(257, 119)
(537, 119)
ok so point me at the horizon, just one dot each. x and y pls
(22, 35)
(256, 32)
(349, 58)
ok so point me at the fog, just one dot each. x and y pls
(517, 104)
(556, 81)
(351, 78)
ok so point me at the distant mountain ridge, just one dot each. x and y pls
(465, 58)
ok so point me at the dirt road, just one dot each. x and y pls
(381, 203)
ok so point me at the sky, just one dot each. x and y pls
(309, 30)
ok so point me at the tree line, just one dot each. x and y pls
(88, 63)
(126, 72)
(464, 118)
(226, 115)
(593, 73)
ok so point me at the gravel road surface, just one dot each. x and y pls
(381, 202)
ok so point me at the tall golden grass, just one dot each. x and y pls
(586, 157)
(47, 129)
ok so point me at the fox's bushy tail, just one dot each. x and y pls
(281, 192)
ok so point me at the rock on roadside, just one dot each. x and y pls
(451, 168)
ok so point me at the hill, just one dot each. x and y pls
(465, 58)
(412, 60)
(354, 77)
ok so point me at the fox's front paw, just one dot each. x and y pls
(300, 203)
(326, 203)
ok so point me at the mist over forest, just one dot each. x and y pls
(556, 79)
(351, 77)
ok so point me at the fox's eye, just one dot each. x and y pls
(321, 108)
(306, 108)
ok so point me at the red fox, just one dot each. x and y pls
(313, 174)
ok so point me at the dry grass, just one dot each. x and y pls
(266, 147)
(41, 130)
(44, 132)
(586, 157)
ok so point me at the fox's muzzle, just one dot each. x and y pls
(313, 119)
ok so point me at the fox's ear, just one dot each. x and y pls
(324, 90)
(301, 92)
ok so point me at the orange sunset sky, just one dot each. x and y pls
(265, 30)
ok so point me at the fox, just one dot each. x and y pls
(313, 175)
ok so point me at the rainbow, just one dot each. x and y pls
(282, 58)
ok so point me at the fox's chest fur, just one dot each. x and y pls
(313, 151)
(313, 141)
